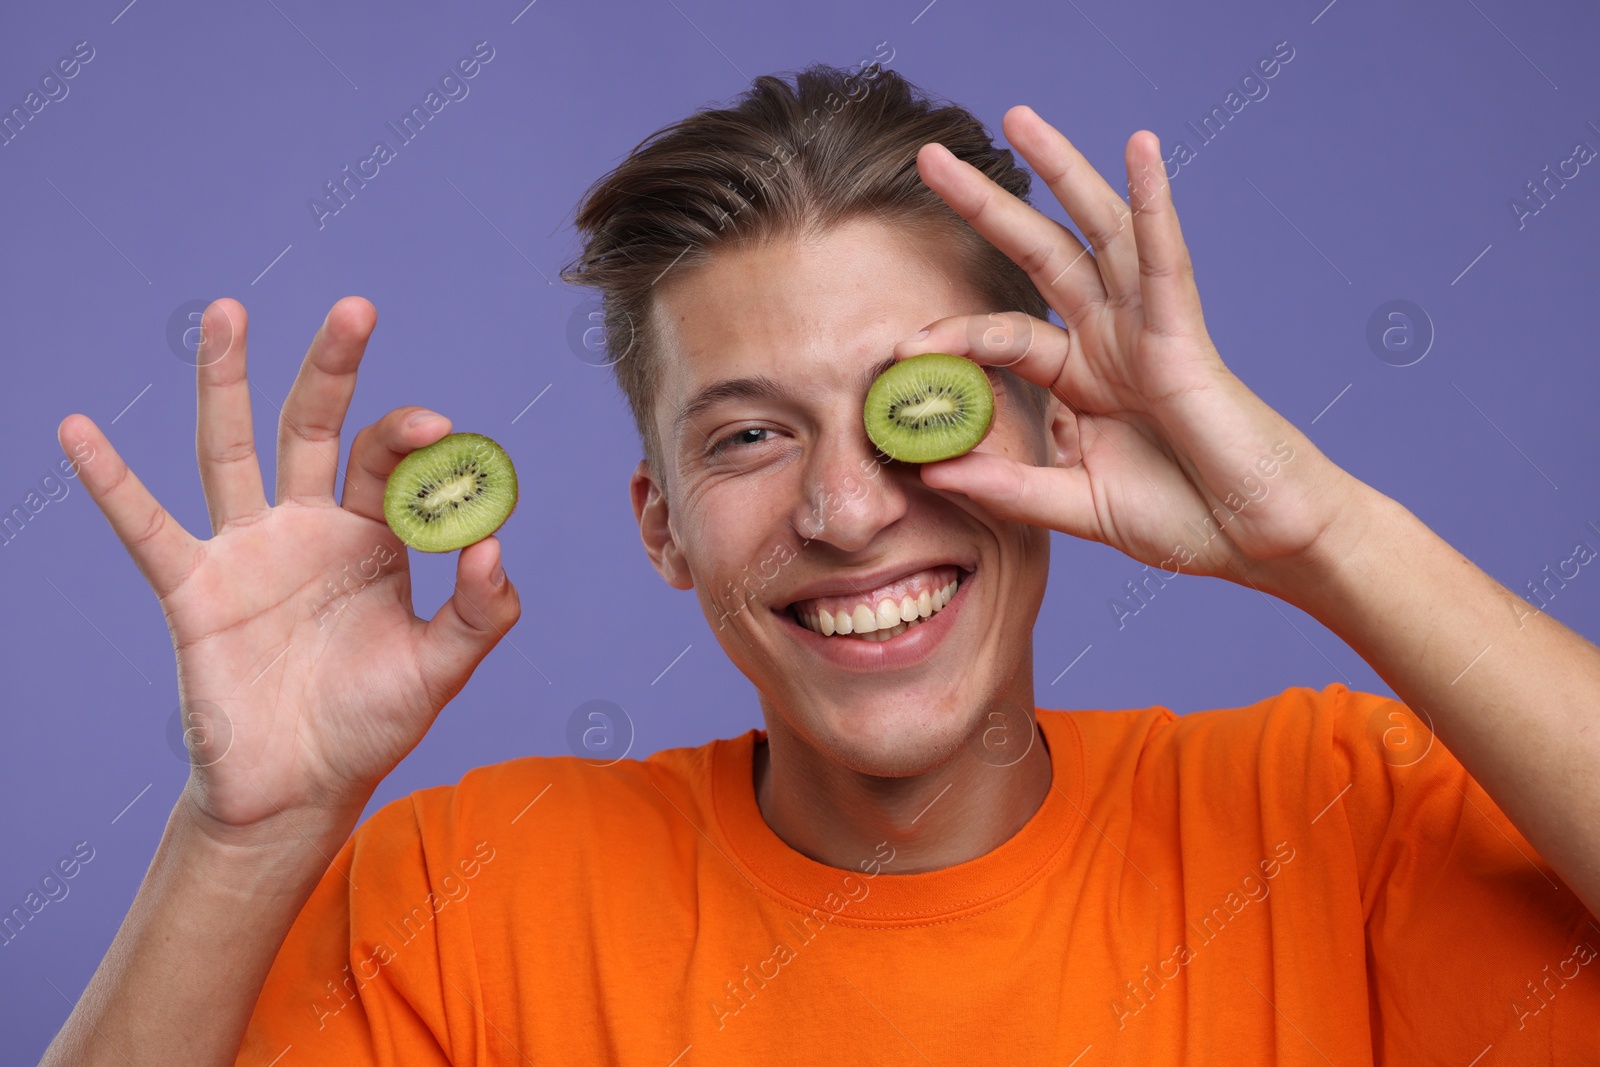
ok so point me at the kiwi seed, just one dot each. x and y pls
(450, 494)
(929, 407)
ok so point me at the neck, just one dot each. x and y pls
(957, 811)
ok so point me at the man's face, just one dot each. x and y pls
(777, 508)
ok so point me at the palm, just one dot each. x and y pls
(1142, 497)
(1157, 438)
(304, 675)
(319, 686)
(1184, 443)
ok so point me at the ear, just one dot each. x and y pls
(1064, 440)
(655, 529)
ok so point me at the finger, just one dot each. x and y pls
(163, 550)
(308, 431)
(1102, 215)
(225, 443)
(379, 447)
(1059, 498)
(1171, 301)
(1056, 261)
(484, 606)
(1032, 348)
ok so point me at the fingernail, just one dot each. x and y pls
(497, 577)
(918, 336)
(421, 417)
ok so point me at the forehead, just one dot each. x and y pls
(799, 306)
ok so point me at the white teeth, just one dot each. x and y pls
(889, 620)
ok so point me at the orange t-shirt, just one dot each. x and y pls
(1312, 879)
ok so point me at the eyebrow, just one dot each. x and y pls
(754, 387)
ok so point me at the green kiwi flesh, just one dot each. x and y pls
(450, 494)
(929, 407)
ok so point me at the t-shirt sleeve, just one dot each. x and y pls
(358, 980)
(1473, 941)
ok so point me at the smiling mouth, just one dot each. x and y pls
(884, 613)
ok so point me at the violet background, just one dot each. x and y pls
(1379, 167)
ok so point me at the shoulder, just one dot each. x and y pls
(1282, 758)
(1334, 718)
(564, 802)
(615, 787)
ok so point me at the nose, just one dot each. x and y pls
(851, 493)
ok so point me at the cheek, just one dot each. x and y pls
(728, 528)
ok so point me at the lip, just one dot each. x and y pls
(911, 648)
(850, 585)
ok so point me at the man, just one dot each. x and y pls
(910, 862)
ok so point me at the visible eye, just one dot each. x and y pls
(750, 435)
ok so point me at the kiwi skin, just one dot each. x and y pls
(451, 457)
(932, 376)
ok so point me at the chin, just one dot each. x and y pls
(895, 738)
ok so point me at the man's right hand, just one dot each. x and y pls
(303, 674)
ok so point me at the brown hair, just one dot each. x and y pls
(783, 160)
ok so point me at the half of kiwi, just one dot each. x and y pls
(450, 494)
(929, 407)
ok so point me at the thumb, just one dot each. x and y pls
(484, 606)
(1059, 498)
